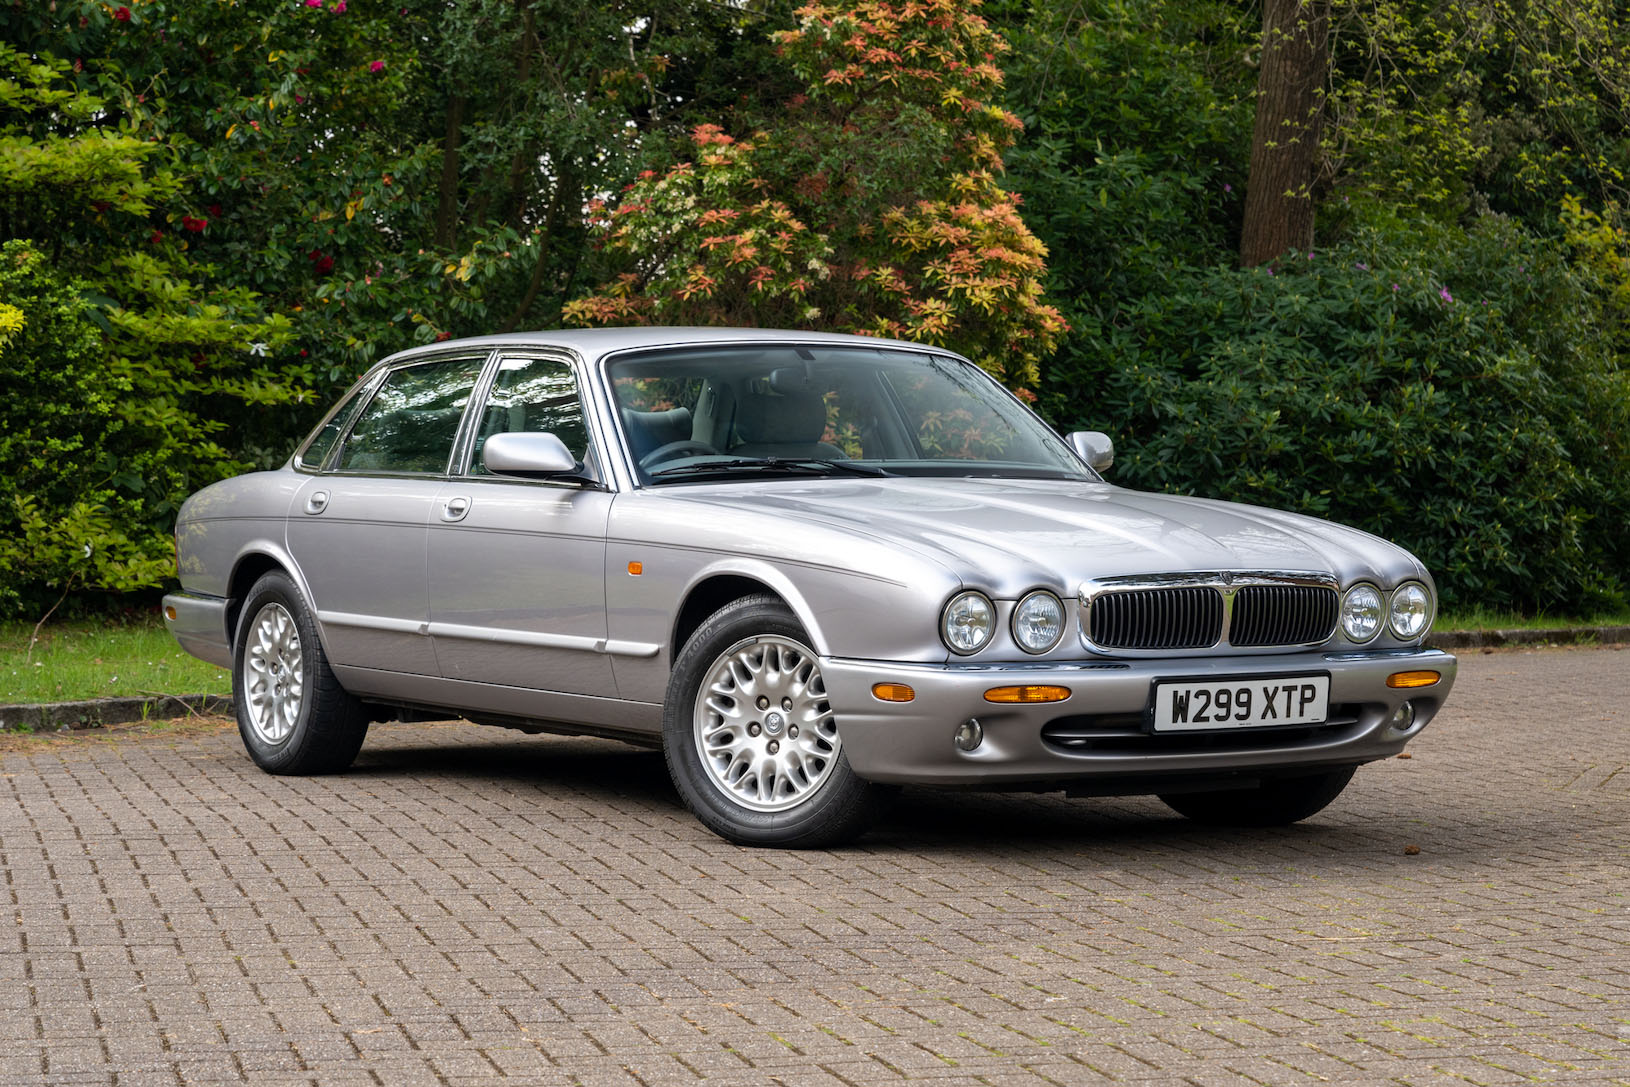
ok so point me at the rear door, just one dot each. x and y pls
(357, 531)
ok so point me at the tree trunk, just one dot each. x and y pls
(447, 206)
(1285, 144)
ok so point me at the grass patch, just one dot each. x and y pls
(1488, 619)
(95, 658)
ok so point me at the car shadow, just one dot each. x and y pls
(921, 819)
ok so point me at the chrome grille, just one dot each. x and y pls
(1180, 618)
(1267, 615)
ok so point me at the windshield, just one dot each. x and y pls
(717, 412)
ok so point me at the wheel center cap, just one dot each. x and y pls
(774, 723)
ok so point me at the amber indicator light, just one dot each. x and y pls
(1027, 694)
(636, 568)
(1412, 679)
(892, 692)
(169, 612)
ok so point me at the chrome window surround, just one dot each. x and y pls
(1226, 582)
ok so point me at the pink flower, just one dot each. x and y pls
(377, 66)
(1227, 187)
(1443, 293)
(314, 3)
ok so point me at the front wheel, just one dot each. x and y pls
(293, 715)
(751, 741)
(1275, 803)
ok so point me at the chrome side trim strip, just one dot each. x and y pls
(370, 622)
(536, 639)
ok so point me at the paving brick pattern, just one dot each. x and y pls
(469, 905)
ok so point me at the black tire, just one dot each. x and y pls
(323, 729)
(825, 807)
(1275, 803)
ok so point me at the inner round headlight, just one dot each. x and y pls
(1411, 610)
(968, 622)
(1038, 622)
(1361, 613)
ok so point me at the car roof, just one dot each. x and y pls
(594, 343)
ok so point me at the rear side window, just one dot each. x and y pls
(310, 457)
(411, 422)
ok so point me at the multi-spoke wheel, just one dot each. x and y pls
(273, 682)
(751, 739)
(294, 716)
(764, 729)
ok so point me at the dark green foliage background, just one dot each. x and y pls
(1446, 368)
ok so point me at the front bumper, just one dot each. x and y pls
(199, 624)
(1094, 742)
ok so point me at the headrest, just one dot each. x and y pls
(774, 418)
(648, 430)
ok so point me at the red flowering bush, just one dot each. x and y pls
(870, 205)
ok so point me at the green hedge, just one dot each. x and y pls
(1448, 389)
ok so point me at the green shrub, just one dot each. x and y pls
(74, 512)
(1444, 388)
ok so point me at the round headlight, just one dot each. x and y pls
(1038, 622)
(1411, 610)
(968, 622)
(1361, 613)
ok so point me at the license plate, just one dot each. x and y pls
(1242, 703)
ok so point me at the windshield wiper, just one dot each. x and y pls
(774, 464)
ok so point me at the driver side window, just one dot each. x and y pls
(537, 395)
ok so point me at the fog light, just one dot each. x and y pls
(1403, 718)
(969, 735)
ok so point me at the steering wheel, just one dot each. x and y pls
(676, 449)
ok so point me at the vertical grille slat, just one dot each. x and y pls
(1268, 615)
(1191, 617)
(1161, 619)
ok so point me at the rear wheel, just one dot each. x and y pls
(1274, 803)
(293, 715)
(751, 741)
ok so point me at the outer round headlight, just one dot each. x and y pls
(1361, 613)
(968, 622)
(1038, 622)
(1411, 611)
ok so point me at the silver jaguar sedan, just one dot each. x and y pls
(810, 568)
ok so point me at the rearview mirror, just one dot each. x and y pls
(1094, 447)
(525, 453)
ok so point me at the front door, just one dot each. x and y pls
(517, 584)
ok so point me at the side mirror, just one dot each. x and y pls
(525, 453)
(1094, 447)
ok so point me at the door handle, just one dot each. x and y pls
(316, 502)
(455, 508)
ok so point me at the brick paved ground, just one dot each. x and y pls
(470, 904)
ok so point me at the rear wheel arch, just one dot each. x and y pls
(253, 565)
(250, 568)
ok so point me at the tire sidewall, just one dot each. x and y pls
(277, 588)
(828, 815)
